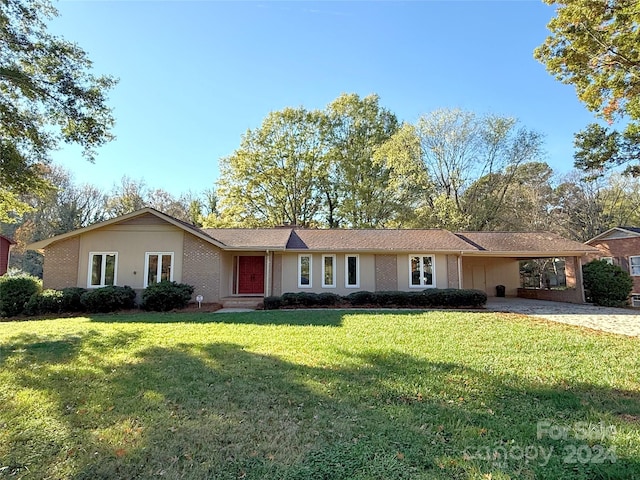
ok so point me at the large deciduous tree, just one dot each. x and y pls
(595, 46)
(48, 95)
(273, 178)
(472, 161)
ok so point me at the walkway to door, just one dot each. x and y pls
(614, 320)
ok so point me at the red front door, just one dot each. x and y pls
(251, 275)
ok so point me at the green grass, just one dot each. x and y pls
(317, 395)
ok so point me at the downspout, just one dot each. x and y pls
(460, 271)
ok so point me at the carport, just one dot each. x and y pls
(497, 262)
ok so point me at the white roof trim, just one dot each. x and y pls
(606, 234)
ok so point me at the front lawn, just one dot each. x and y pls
(317, 395)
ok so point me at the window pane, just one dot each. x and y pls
(427, 271)
(166, 268)
(152, 272)
(110, 270)
(635, 261)
(328, 270)
(352, 266)
(304, 270)
(415, 270)
(96, 269)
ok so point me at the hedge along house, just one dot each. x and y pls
(233, 266)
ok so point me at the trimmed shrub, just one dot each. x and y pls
(72, 299)
(108, 299)
(328, 299)
(49, 301)
(272, 303)
(360, 298)
(166, 295)
(15, 292)
(609, 285)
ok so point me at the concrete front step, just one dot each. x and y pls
(241, 302)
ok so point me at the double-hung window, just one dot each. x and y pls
(634, 266)
(158, 267)
(421, 271)
(352, 271)
(328, 271)
(103, 269)
(304, 271)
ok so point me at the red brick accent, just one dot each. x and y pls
(201, 268)
(60, 269)
(570, 295)
(453, 279)
(386, 272)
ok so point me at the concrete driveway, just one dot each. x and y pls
(614, 320)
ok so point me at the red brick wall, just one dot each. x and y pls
(570, 295)
(201, 268)
(61, 265)
(386, 272)
(621, 249)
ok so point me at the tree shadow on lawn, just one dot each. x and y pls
(330, 318)
(219, 411)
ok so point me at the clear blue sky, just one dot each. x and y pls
(194, 76)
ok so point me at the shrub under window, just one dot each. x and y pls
(166, 295)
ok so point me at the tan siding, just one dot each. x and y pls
(486, 273)
(290, 274)
(60, 268)
(201, 268)
(277, 275)
(386, 272)
(146, 219)
(131, 244)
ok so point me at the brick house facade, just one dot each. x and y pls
(621, 246)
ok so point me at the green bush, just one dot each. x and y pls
(108, 299)
(608, 284)
(15, 292)
(49, 301)
(166, 295)
(272, 303)
(360, 298)
(72, 299)
(328, 299)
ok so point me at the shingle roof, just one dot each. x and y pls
(631, 229)
(376, 240)
(523, 242)
(258, 238)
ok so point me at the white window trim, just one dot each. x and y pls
(433, 270)
(635, 300)
(631, 266)
(146, 266)
(609, 260)
(104, 269)
(300, 256)
(346, 270)
(333, 264)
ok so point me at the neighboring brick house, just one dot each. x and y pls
(225, 265)
(5, 247)
(621, 246)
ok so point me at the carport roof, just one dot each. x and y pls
(526, 244)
